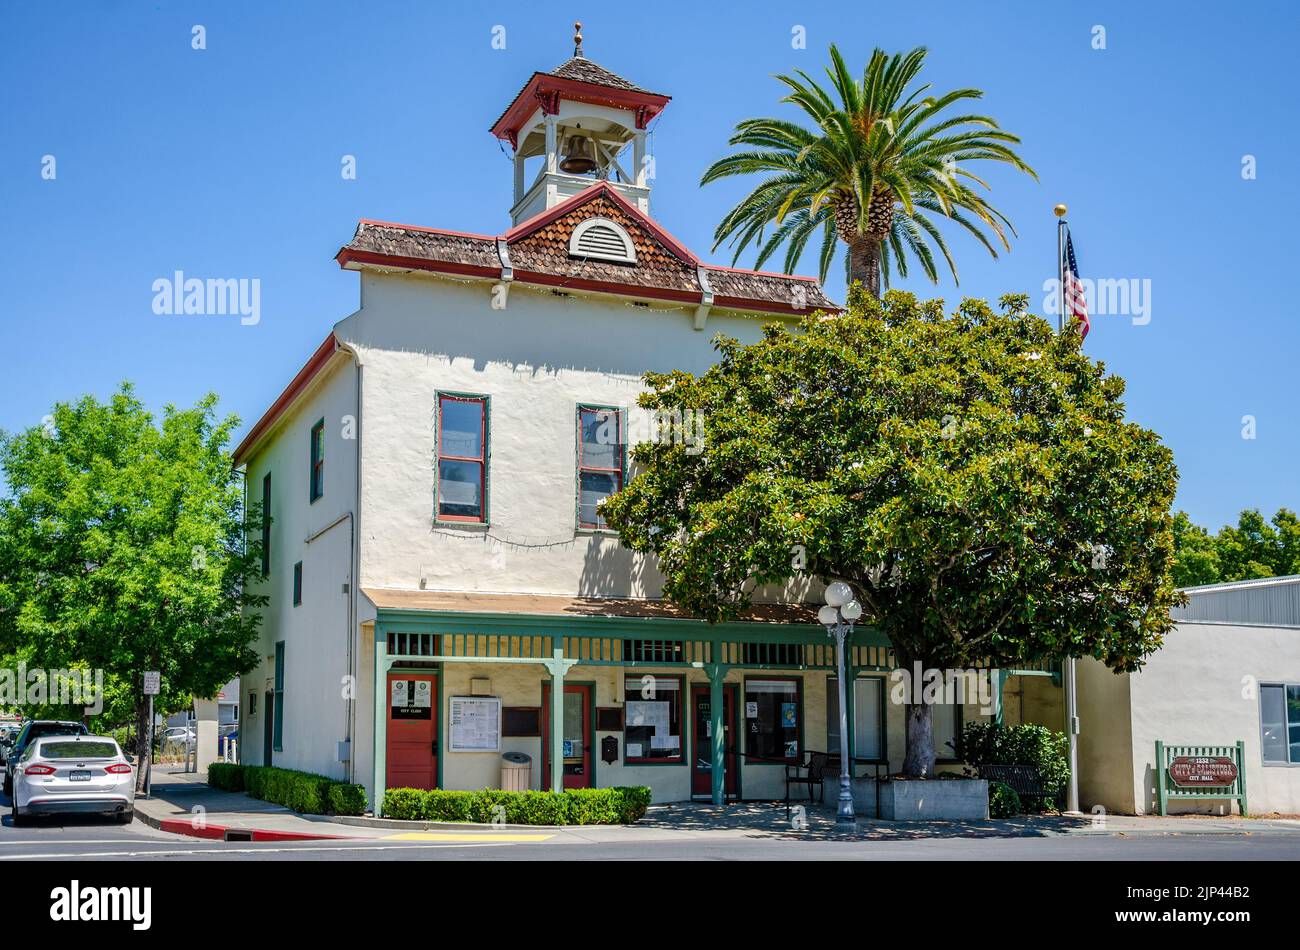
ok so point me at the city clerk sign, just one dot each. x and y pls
(1193, 771)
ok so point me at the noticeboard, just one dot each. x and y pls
(475, 724)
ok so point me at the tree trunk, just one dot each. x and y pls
(143, 752)
(919, 761)
(864, 264)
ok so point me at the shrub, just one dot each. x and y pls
(227, 776)
(1003, 801)
(988, 743)
(586, 806)
(302, 791)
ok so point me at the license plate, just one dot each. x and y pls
(78, 776)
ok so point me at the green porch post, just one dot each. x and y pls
(558, 666)
(718, 729)
(381, 718)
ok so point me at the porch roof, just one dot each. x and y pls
(553, 605)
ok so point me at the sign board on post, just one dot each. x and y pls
(152, 683)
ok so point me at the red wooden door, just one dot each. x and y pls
(412, 760)
(702, 769)
(577, 736)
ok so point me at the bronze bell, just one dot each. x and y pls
(578, 158)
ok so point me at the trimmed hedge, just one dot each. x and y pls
(302, 791)
(575, 806)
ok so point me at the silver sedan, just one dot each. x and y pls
(74, 774)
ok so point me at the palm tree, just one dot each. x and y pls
(879, 166)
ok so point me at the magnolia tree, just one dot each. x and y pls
(122, 549)
(971, 476)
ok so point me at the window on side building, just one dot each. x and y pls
(277, 732)
(462, 458)
(297, 584)
(316, 474)
(868, 717)
(773, 719)
(600, 461)
(266, 524)
(1279, 723)
(652, 719)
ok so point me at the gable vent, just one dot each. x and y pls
(603, 240)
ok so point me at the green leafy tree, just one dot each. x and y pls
(122, 548)
(882, 163)
(973, 478)
(1252, 548)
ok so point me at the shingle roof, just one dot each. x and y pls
(584, 70)
(540, 250)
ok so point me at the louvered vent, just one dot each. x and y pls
(603, 240)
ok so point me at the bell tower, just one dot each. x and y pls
(574, 126)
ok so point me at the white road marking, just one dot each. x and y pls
(191, 851)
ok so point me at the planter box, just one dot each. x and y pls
(934, 800)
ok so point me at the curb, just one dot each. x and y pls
(402, 824)
(182, 826)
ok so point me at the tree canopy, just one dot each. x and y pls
(122, 548)
(1252, 548)
(972, 477)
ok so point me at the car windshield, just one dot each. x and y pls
(54, 729)
(78, 750)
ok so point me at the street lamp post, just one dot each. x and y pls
(838, 616)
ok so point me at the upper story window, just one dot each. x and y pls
(600, 461)
(317, 475)
(1279, 723)
(462, 458)
(266, 524)
(602, 240)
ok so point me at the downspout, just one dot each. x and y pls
(354, 635)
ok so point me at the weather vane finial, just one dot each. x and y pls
(577, 39)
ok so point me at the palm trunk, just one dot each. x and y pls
(864, 264)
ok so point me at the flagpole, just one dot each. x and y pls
(1071, 696)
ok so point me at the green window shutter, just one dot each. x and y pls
(277, 740)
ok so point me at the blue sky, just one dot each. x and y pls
(225, 162)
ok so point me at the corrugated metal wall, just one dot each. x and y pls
(1274, 602)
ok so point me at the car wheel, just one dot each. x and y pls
(126, 817)
(9, 785)
(18, 820)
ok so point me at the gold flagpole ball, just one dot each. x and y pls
(1060, 211)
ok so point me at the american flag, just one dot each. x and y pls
(1076, 303)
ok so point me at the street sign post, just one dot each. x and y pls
(152, 687)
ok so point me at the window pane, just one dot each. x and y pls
(460, 488)
(77, 750)
(772, 714)
(600, 440)
(1272, 725)
(867, 739)
(1293, 720)
(593, 487)
(943, 717)
(462, 428)
(652, 723)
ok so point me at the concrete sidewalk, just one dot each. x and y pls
(183, 803)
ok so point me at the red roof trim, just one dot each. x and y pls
(305, 375)
(760, 273)
(575, 90)
(346, 256)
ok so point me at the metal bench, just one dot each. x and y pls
(1024, 780)
(812, 775)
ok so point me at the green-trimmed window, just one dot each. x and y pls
(600, 461)
(868, 717)
(297, 584)
(462, 458)
(277, 731)
(317, 476)
(652, 719)
(266, 525)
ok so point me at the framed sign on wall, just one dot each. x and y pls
(475, 724)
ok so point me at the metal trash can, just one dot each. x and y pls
(516, 771)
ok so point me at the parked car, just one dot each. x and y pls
(32, 730)
(73, 774)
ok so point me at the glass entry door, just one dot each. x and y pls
(576, 752)
(702, 748)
